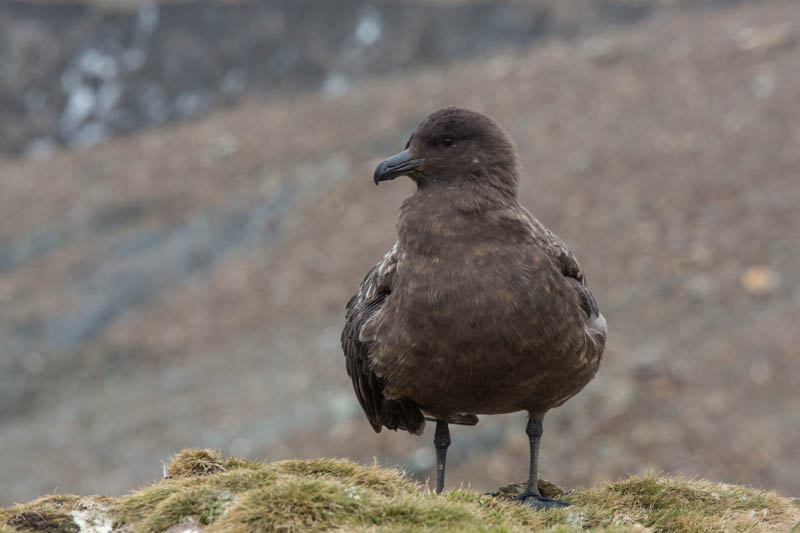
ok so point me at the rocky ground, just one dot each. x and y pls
(184, 286)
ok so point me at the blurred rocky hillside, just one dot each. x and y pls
(75, 73)
(183, 285)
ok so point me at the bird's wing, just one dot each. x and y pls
(553, 246)
(358, 338)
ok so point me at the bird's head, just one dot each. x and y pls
(456, 146)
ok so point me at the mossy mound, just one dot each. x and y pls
(205, 491)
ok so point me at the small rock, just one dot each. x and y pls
(335, 85)
(80, 104)
(766, 39)
(700, 285)
(40, 147)
(89, 135)
(147, 18)
(764, 85)
(759, 280)
(97, 64)
(368, 29)
(422, 458)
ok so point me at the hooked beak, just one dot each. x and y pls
(398, 165)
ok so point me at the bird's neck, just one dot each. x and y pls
(441, 215)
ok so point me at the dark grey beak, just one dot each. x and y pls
(398, 165)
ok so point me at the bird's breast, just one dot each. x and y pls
(487, 321)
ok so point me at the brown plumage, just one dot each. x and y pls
(477, 308)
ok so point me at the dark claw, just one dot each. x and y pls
(537, 501)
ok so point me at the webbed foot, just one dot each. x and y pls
(537, 501)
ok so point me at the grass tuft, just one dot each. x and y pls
(45, 521)
(49, 514)
(136, 507)
(388, 482)
(242, 480)
(295, 504)
(195, 462)
(674, 504)
(200, 505)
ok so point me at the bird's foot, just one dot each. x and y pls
(537, 501)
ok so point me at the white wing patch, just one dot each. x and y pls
(377, 278)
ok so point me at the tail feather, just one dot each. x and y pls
(402, 414)
(461, 420)
(598, 323)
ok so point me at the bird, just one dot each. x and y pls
(477, 308)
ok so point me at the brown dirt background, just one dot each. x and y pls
(665, 153)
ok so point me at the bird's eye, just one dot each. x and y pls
(447, 141)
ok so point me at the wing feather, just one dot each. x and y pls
(553, 246)
(359, 337)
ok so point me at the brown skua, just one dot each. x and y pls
(477, 308)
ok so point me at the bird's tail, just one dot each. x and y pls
(598, 323)
(402, 414)
(460, 419)
(598, 327)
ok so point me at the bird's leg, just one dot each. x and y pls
(441, 441)
(534, 431)
(532, 496)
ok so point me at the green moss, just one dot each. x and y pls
(497, 510)
(294, 504)
(137, 506)
(414, 511)
(201, 505)
(227, 495)
(242, 480)
(386, 481)
(235, 463)
(674, 504)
